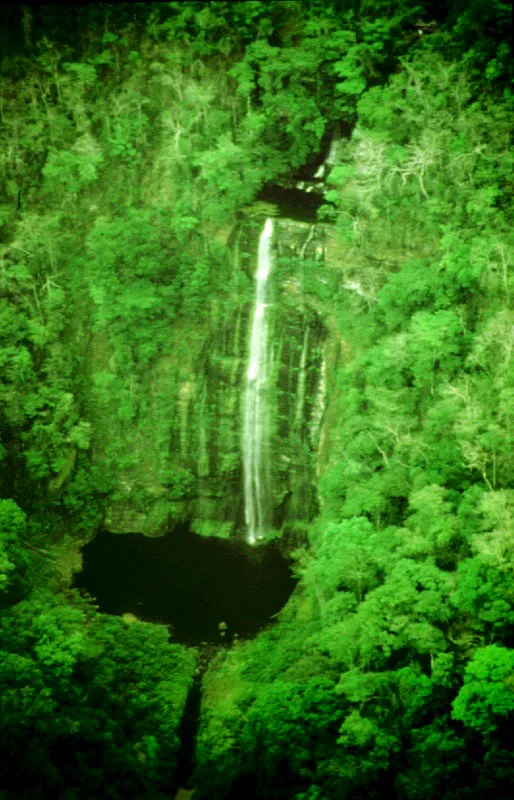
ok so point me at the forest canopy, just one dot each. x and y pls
(131, 135)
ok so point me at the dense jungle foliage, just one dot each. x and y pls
(130, 134)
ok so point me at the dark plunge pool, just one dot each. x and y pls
(189, 582)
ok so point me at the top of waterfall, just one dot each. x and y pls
(263, 267)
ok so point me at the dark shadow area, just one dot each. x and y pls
(187, 735)
(14, 594)
(189, 582)
(293, 203)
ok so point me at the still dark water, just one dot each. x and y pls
(189, 582)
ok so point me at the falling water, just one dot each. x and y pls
(330, 159)
(332, 153)
(256, 465)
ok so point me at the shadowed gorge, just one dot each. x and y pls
(292, 202)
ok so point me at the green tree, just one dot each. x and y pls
(12, 527)
(487, 695)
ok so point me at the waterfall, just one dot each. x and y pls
(330, 160)
(256, 456)
(332, 153)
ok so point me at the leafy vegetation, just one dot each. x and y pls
(133, 137)
(90, 704)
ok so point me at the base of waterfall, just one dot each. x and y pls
(208, 590)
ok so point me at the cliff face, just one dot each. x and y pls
(180, 459)
(136, 215)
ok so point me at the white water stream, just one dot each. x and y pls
(256, 463)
